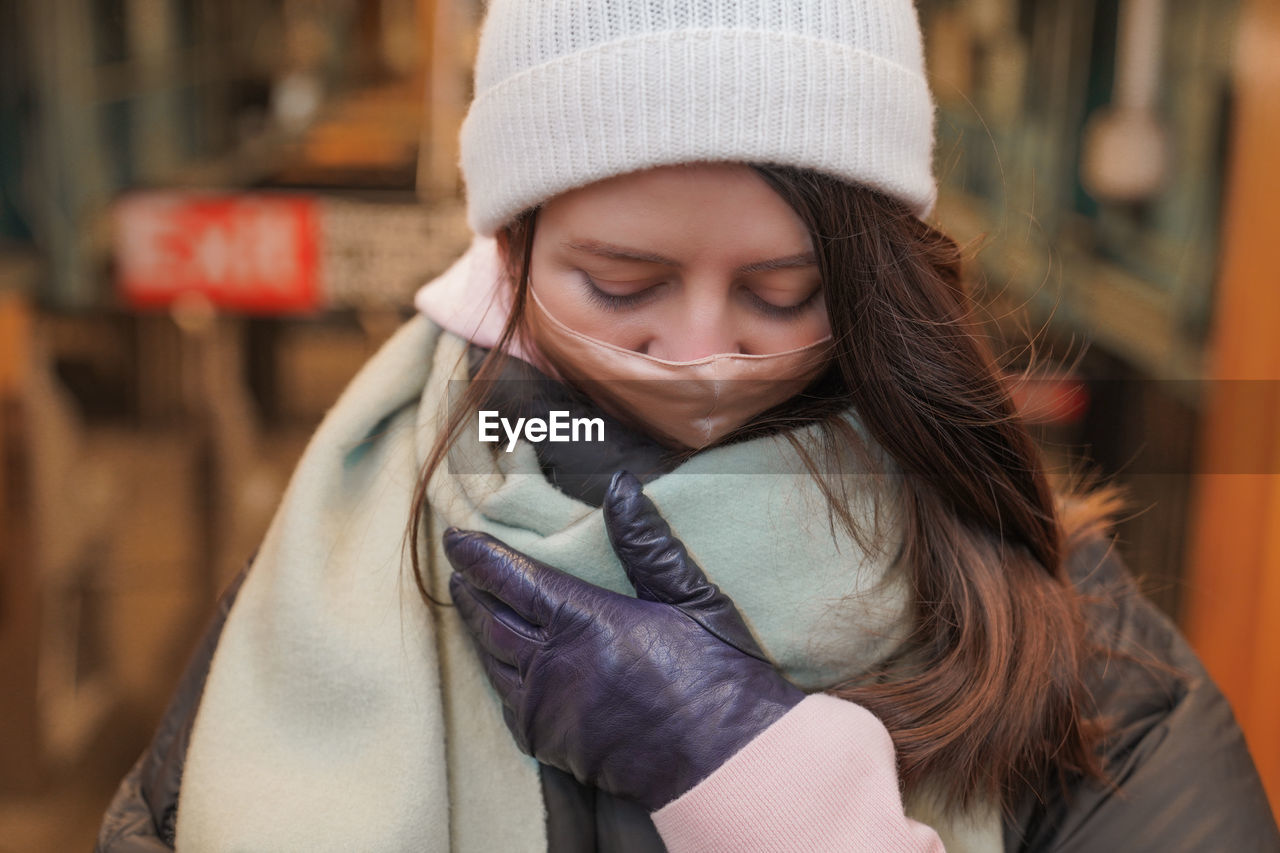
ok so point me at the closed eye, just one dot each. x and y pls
(616, 301)
(782, 312)
(624, 301)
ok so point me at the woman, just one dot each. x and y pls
(700, 234)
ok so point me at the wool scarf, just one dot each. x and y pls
(342, 712)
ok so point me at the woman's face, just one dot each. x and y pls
(680, 262)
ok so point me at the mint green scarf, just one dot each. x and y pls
(341, 713)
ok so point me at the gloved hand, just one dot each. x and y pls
(642, 697)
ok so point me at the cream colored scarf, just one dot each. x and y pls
(341, 713)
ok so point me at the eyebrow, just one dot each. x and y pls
(621, 253)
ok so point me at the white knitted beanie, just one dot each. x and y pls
(569, 92)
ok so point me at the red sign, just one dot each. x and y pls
(256, 254)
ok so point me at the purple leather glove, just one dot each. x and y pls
(642, 697)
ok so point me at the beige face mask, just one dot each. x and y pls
(685, 403)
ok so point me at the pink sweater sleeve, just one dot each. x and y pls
(822, 777)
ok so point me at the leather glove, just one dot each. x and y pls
(642, 697)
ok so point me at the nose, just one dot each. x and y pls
(692, 340)
(698, 323)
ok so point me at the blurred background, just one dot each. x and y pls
(213, 211)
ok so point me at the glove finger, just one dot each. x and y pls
(660, 568)
(505, 681)
(517, 731)
(655, 560)
(531, 588)
(504, 677)
(504, 635)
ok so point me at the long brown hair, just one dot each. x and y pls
(988, 696)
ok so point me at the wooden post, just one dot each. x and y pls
(1233, 599)
(448, 32)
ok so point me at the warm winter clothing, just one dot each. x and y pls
(330, 666)
(329, 657)
(572, 91)
(1166, 721)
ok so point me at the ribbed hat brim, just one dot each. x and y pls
(692, 96)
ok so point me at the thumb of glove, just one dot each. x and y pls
(660, 568)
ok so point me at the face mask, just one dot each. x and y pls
(685, 403)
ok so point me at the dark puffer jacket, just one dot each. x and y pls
(1183, 778)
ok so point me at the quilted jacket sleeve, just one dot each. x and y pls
(1183, 777)
(142, 817)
